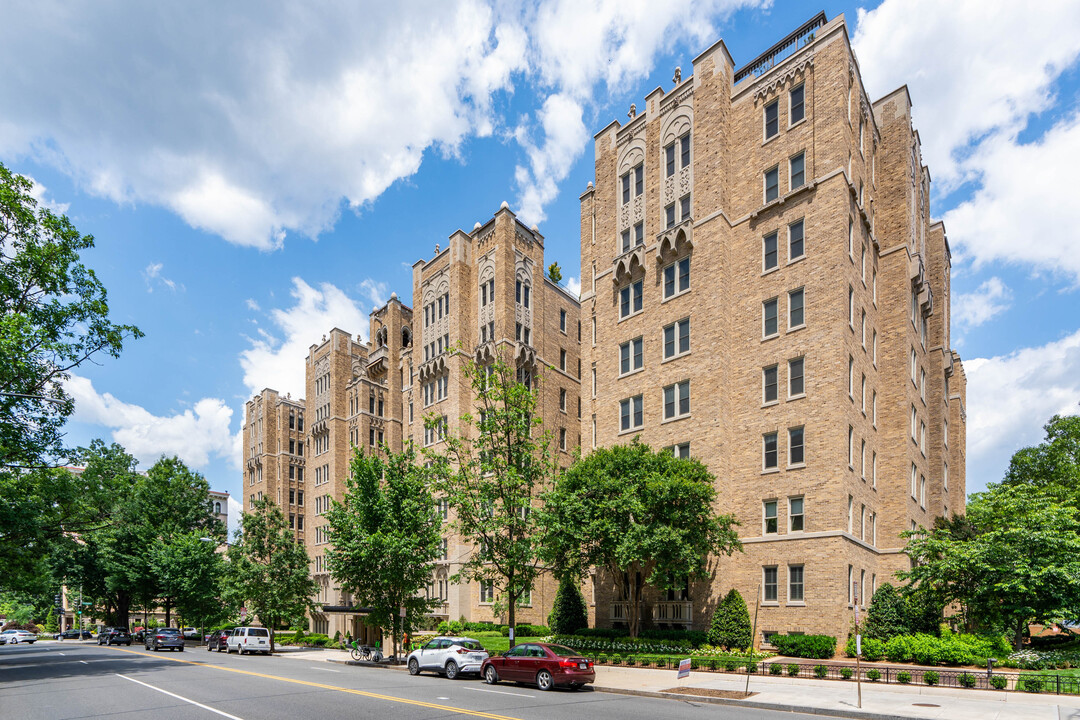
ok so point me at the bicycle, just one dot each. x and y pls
(366, 653)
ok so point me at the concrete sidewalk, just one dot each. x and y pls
(834, 698)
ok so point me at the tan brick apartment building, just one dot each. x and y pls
(485, 293)
(764, 290)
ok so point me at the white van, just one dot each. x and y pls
(248, 640)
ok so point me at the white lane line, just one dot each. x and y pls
(60, 653)
(84, 662)
(326, 669)
(498, 692)
(166, 692)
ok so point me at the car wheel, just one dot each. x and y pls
(451, 670)
(240, 649)
(414, 666)
(208, 648)
(129, 643)
(544, 681)
(490, 676)
(181, 648)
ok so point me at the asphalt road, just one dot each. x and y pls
(71, 679)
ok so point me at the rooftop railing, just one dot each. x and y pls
(782, 50)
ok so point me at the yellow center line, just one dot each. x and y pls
(376, 696)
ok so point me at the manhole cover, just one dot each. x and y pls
(925, 705)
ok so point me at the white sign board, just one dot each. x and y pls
(684, 669)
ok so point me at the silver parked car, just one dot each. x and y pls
(14, 637)
(449, 656)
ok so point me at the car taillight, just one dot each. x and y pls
(568, 663)
(462, 651)
(590, 663)
(160, 637)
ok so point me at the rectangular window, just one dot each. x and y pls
(769, 382)
(795, 240)
(769, 317)
(487, 591)
(677, 400)
(795, 377)
(770, 517)
(684, 208)
(798, 171)
(770, 453)
(772, 119)
(684, 150)
(562, 399)
(669, 216)
(795, 309)
(914, 480)
(677, 338)
(795, 446)
(769, 585)
(562, 320)
(796, 105)
(770, 255)
(795, 583)
(677, 277)
(639, 180)
(795, 514)
(626, 188)
(682, 450)
(669, 159)
(562, 360)
(639, 234)
(562, 438)
(625, 241)
(772, 184)
(630, 413)
(630, 299)
(631, 355)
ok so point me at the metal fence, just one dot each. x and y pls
(1033, 682)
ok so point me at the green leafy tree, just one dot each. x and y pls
(54, 316)
(555, 273)
(385, 538)
(643, 516)
(1020, 565)
(50, 622)
(268, 569)
(191, 571)
(1053, 466)
(492, 471)
(730, 627)
(886, 615)
(568, 613)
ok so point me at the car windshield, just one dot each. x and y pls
(563, 651)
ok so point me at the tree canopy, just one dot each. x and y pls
(644, 516)
(385, 538)
(268, 568)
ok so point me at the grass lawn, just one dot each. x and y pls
(1070, 680)
(498, 645)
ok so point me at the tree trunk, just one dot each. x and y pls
(168, 612)
(123, 607)
(1018, 641)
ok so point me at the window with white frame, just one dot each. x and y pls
(677, 338)
(677, 400)
(769, 318)
(945, 476)
(770, 519)
(873, 469)
(796, 314)
(851, 307)
(772, 119)
(796, 518)
(669, 216)
(631, 414)
(922, 437)
(851, 446)
(487, 591)
(796, 385)
(769, 252)
(798, 171)
(851, 377)
(631, 355)
(630, 299)
(795, 583)
(914, 424)
(768, 586)
(922, 492)
(796, 446)
(796, 104)
(772, 183)
(914, 481)
(684, 208)
(770, 384)
(769, 451)
(796, 240)
(677, 277)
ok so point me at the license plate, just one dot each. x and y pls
(582, 666)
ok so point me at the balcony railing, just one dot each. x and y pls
(678, 612)
(620, 610)
(767, 60)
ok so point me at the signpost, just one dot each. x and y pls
(243, 614)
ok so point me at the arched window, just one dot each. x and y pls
(217, 508)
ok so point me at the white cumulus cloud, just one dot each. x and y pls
(573, 284)
(1010, 397)
(275, 358)
(991, 298)
(195, 435)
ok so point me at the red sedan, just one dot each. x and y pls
(540, 663)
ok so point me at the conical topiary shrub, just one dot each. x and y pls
(730, 626)
(568, 613)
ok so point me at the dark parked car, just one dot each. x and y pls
(540, 663)
(114, 636)
(73, 634)
(218, 640)
(164, 638)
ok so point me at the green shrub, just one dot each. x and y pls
(694, 638)
(873, 674)
(821, 671)
(792, 669)
(525, 630)
(730, 625)
(712, 664)
(606, 633)
(819, 647)
(630, 660)
(751, 667)
(885, 616)
(846, 673)
(999, 682)
(872, 648)
(903, 677)
(966, 680)
(616, 659)
(1032, 683)
(731, 665)
(930, 677)
(776, 668)
(337, 636)
(694, 663)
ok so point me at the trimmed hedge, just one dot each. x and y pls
(696, 638)
(950, 649)
(818, 647)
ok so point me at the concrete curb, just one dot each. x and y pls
(826, 712)
(365, 663)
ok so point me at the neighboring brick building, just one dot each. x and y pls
(486, 293)
(763, 289)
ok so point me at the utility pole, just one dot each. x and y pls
(858, 647)
(753, 639)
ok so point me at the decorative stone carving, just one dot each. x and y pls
(780, 79)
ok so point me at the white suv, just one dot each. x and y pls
(249, 640)
(448, 656)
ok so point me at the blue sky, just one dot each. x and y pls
(257, 174)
